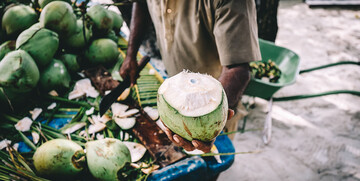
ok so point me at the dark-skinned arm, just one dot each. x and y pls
(139, 23)
(234, 79)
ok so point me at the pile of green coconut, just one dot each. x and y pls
(44, 45)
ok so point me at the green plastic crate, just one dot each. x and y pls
(287, 61)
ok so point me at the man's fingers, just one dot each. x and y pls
(178, 140)
(203, 146)
(183, 143)
(230, 114)
(169, 134)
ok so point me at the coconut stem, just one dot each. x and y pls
(64, 100)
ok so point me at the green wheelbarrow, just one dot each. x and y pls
(288, 63)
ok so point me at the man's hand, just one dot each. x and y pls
(128, 69)
(138, 26)
(194, 144)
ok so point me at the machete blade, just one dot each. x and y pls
(110, 98)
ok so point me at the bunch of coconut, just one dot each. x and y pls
(61, 159)
(43, 50)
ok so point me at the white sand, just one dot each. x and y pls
(317, 138)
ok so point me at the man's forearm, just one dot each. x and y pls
(234, 79)
(138, 26)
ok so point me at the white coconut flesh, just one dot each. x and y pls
(125, 123)
(137, 150)
(193, 105)
(192, 94)
(152, 112)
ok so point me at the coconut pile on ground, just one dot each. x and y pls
(50, 110)
(317, 138)
(44, 47)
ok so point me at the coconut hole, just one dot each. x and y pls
(79, 159)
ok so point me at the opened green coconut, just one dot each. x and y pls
(17, 19)
(102, 51)
(6, 47)
(102, 19)
(18, 72)
(41, 44)
(107, 158)
(193, 106)
(78, 40)
(54, 77)
(59, 159)
(59, 16)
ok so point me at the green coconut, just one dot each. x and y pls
(102, 19)
(18, 72)
(59, 159)
(117, 21)
(41, 44)
(193, 106)
(78, 40)
(59, 16)
(43, 3)
(102, 51)
(54, 77)
(107, 158)
(17, 19)
(112, 36)
(6, 47)
(36, 26)
(71, 62)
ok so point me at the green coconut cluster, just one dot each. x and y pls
(58, 40)
(64, 159)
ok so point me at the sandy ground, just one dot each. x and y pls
(317, 138)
